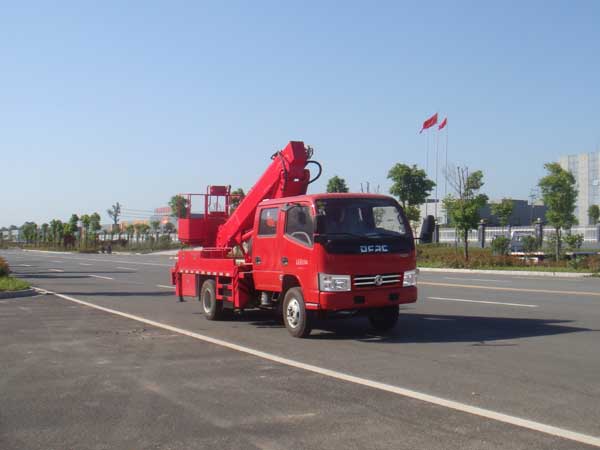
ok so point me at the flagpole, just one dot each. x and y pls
(427, 171)
(437, 147)
(446, 177)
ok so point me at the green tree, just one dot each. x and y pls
(463, 209)
(56, 231)
(155, 225)
(72, 226)
(503, 210)
(411, 186)
(129, 231)
(141, 229)
(67, 238)
(85, 226)
(169, 228)
(45, 228)
(560, 195)
(95, 223)
(114, 213)
(235, 201)
(594, 213)
(29, 231)
(337, 184)
(179, 206)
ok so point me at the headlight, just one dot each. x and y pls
(334, 283)
(410, 278)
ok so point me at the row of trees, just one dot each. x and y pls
(56, 232)
(85, 231)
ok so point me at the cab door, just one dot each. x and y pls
(297, 247)
(266, 250)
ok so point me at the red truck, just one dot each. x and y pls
(304, 256)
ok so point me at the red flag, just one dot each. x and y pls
(443, 124)
(429, 122)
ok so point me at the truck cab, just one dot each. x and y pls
(342, 252)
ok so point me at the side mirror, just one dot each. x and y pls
(426, 235)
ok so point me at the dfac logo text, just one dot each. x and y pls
(374, 248)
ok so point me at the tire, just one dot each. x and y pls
(212, 308)
(295, 317)
(384, 319)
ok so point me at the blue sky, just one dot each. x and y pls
(136, 101)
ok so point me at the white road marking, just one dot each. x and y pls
(477, 279)
(24, 265)
(108, 258)
(510, 289)
(55, 270)
(122, 261)
(481, 301)
(84, 264)
(100, 276)
(125, 268)
(58, 261)
(165, 286)
(439, 401)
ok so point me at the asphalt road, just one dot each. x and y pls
(520, 347)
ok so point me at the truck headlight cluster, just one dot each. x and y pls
(334, 283)
(410, 278)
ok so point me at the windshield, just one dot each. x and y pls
(360, 217)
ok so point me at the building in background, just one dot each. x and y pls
(585, 167)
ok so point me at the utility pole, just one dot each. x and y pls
(533, 195)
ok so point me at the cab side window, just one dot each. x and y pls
(299, 225)
(267, 225)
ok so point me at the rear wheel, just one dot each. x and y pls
(384, 319)
(213, 309)
(296, 318)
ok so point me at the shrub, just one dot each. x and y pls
(592, 263)
(530, 244)
(4, 269)
(501, 245)
(574, 241)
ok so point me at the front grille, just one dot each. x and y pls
(369, 280)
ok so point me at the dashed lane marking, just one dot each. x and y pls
(432, 399)
(477, 279)
(481, 301)
(164, 286)
(100, 276)
(498, 288)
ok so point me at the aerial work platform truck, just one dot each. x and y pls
(302, 255)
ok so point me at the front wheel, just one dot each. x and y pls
(296, 318)
(213, 308)
(384, 319)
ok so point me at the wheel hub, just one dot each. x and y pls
(206, 301)
(293, 313)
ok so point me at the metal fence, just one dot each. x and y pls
(591, 234)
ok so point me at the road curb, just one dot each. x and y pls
(46, 251)
(519, 273)
(16, 294)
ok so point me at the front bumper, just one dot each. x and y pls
(367, 298)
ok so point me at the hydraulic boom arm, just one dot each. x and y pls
(286, 176)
